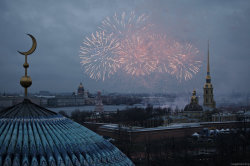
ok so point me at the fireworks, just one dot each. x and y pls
(184, 62)
(162, 51)
(100, 55)
(125, 25)
(136, 56)
(180, 60)
(128, 42)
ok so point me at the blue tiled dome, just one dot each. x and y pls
(33, 135)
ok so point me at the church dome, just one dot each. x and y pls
(194, 103)
(193, 107)
(80, 89)
(33, 135)
(80, 86)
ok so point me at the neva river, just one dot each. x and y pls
(68, 110)
(155, 102)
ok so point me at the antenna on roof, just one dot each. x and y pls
(26, 80)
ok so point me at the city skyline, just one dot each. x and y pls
(61, 28)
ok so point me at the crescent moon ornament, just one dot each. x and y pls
(26, 80)
(33, 48)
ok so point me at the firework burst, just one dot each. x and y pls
(136, 56)
(184, 62)
(99, 55)
(128, 42)
(162, 52)
(125, 25)
(175, 58)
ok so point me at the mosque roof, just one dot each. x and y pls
(33, 135)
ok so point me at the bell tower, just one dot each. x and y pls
(208, 95)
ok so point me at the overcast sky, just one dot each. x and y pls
(61, 26)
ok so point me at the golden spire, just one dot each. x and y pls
(208, 77)
(26, 80)
(208, 66)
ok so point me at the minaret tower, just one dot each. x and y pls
(208, 95)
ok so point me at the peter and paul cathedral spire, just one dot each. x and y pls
(208, 77)
(208, 66)
(208, 87)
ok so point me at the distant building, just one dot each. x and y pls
(193, 109)
(244, 116)
(223, 117)
(44, 93)
(63, 101)
(6, 102)
(80, 90)
(208, 95)
(86, 94)
(76, 99)
(98, 103)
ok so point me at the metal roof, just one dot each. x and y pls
(33, 135)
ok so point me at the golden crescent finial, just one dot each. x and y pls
(32, 49)
(26, 80)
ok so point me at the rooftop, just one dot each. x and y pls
(32, 135)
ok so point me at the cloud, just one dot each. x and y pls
(60, 27)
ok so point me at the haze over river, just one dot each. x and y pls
(153, 101)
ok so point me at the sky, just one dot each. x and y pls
(61, 26)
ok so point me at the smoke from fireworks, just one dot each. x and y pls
(128, 42)
(136, 56)
(180, 60)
